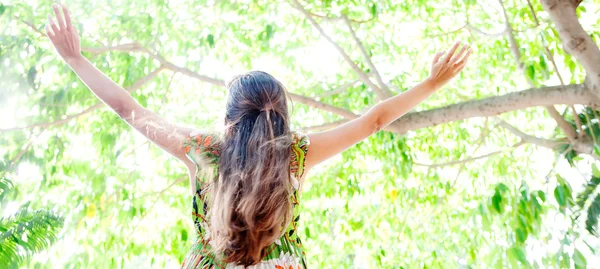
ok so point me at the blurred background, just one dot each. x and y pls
(80, 189)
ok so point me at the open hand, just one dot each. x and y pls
(63, 35)
(454, 60)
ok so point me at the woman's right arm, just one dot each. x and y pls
(65, 39)
(324, 145)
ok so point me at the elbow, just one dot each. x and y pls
(123, 111)
(120, 110)
(377, 125)
(377, 121)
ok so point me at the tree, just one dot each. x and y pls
(469, 177)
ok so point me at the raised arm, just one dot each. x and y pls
(324, 145)
(65, 39)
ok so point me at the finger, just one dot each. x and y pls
(450, 52)
(59, 17)
(459, 54)
(67, 18)
(460, 68)
(49, 32)
(437, 56)
(466, 57)
(462, 63)
(52, 24)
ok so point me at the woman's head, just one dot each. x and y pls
(252, 94)
(251, 200)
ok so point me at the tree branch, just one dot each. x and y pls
(566, 127)
(551, 144)
(470, 159)
(135, 47)
(470, 27)
(129, 47)
(562, 123)
(574, 38)
(339, 18)
(361, 74)
(324, 127)
(158, 195)
(535, 19)
(30, 25)
(22, 152)
(326, 107)
(135, 86)
(514, 46)
(339, 89)
(495, 105)
(363, 51)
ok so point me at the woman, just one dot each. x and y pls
(246, 181)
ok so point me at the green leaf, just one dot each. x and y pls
(496, 201)
(184, 235)
(597, 149)
(521, 235)
(269, 31)
(593, 214)
(210, 39)
(595, 170)
(559, 194)
(373, 10)
(579, 260)
(565, 260)
(2, 9)
(530, 72)
(518, 254)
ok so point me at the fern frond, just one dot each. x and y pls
(590, 198)
(26, 233)
(6, 188)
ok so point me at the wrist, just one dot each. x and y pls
(432, 83)
(75, 60)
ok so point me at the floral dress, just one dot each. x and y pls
(286, 252)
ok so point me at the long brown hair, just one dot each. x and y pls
(250, 205)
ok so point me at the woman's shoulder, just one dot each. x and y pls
(200, 145)
(300, 139)
(300, 143)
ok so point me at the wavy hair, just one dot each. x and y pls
(250, 204)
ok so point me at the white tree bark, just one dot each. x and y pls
(575, 40)
(492, 106)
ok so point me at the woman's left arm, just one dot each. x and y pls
(166, 135)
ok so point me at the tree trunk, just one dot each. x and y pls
(575, 40)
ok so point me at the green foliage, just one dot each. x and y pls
(415, 200)
(25, 232)
(590, 195)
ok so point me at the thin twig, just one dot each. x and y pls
(30, 141)
(470, 159)
(551, 144)
(339, 18)
(365, 54)
(562, 124)
(30, 25)
(470, 27)
(324, 127)
(361, 74)
(514, 46)
(339, 89)
(327, 107)
(168, 89)
(158, 196)
(535, 19)
(577, 121)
